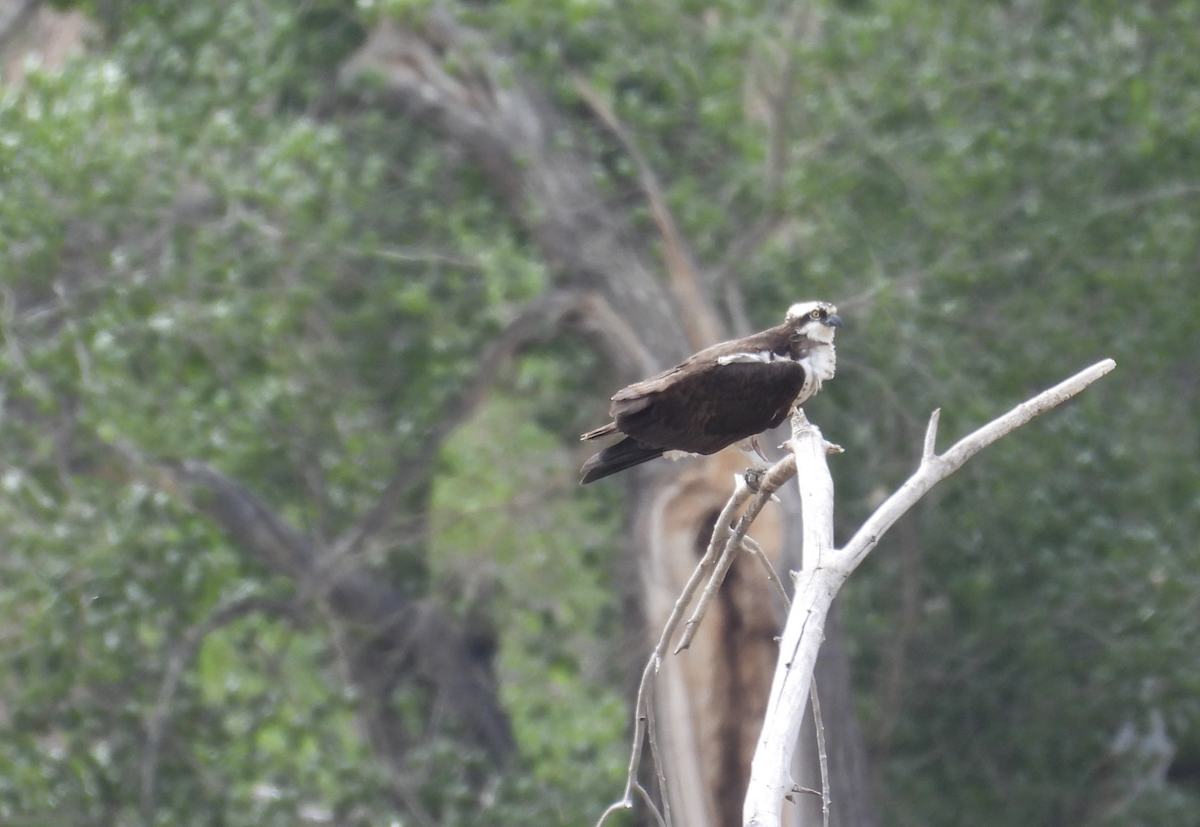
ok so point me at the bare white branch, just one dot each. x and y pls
(826, 568)
(722, 536)
(931, 435)
(751, 545)
(936, 468)
(816, 495)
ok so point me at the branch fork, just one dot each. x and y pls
(825, 568)
(823, 571)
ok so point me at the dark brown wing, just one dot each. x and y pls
(774, 338)
(705, 408)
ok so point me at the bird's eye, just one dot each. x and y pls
(816, 314)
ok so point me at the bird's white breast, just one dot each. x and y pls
(819, 365)
(823, 361)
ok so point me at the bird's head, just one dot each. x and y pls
(816, 320)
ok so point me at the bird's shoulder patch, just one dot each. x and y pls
(761, 357)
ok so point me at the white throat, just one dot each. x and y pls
(823, 361)
(818, 333)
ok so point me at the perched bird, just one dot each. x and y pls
(721, 395)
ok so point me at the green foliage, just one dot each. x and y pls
(248, 293)
(509, 521)
(997, 195)
(1020, 220)
(202, 258)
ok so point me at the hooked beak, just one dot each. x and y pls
(834, 321)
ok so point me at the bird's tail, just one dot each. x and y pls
(625, 454)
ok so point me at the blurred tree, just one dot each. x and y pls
(290, 372)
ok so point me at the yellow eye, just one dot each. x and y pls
(816, 314)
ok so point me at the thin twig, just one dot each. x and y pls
(931, 436)
(656, 759)
(755, 549)
(720, 537)
(640, 721)
(822, 756)
(937, 467)
(776, 476)
(615, 807)
(796, 788)
(658, 817)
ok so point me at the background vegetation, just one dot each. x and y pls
(209, 250)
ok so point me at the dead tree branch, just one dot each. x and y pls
(732, 541)
(727, 539)
(827, 567)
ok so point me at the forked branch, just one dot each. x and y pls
(727, 539)
(826, 568)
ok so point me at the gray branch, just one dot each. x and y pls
(827, 567)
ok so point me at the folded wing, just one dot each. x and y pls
(701, 411)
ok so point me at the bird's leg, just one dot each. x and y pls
(753, 451)
(756, 473)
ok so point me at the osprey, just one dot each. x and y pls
(721, 395)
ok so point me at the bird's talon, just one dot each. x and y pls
(758, 448)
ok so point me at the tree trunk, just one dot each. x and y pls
(710, 699)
